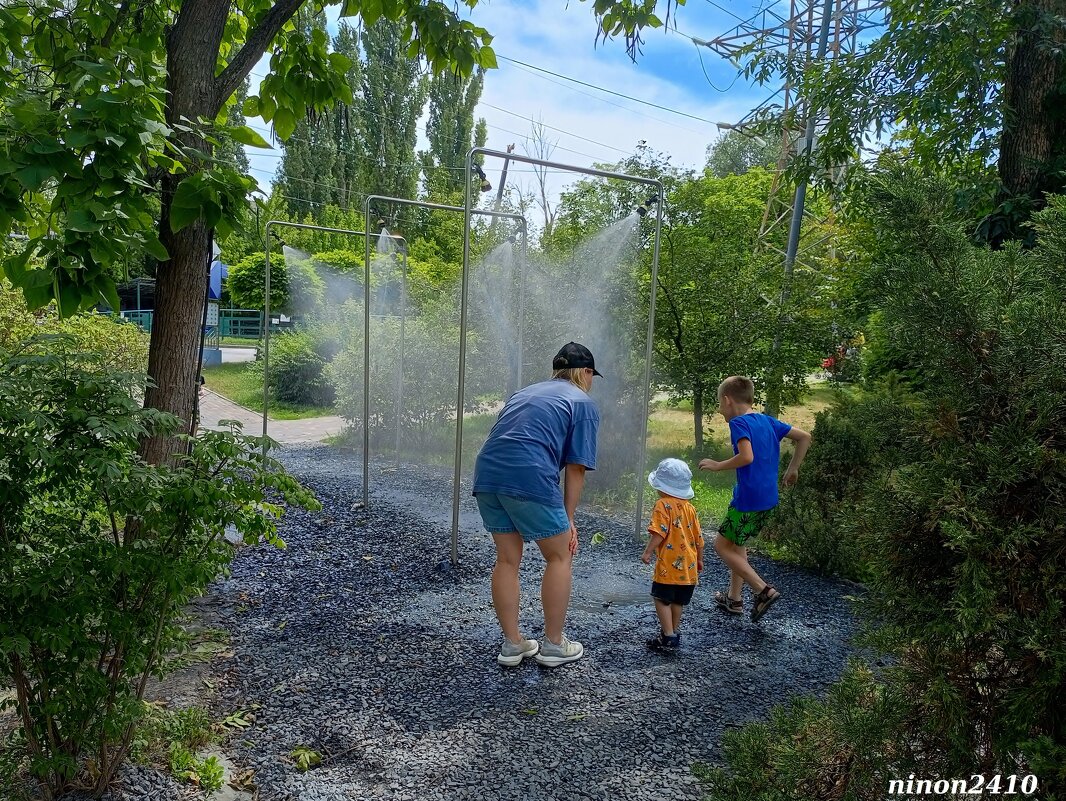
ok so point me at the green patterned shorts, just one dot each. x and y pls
(739, 527)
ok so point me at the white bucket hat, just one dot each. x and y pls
(673, 477)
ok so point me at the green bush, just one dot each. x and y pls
(421, 410)
(843, 748)
(295, 286)
(101, 551)
(341, 261)
(966, 537)
(123, 346)
(857, 439)
(297, 364)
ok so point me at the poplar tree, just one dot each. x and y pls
(451, 130)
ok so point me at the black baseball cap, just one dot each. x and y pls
(574, 355)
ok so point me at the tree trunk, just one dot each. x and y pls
(181, 281)
(697, 418)
(1034, 130)
(195, 92)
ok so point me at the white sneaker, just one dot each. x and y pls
(512, 653)
(552, 655)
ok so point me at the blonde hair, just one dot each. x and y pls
(575, 375)
(739, 389)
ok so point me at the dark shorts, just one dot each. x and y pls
(679, 594)
(739, 527)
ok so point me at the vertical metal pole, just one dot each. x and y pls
(648, 354)
(403, 325)
(366, 364)
(266, 333)
(773, 395)
(522, 306)
(459, 404)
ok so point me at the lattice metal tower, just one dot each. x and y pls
(810, 30)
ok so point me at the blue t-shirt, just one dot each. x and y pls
(756, 489)
(541, 429)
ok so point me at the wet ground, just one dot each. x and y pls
(361, 642)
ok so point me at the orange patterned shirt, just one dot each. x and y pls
(675, 520)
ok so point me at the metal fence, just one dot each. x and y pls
(235, 323)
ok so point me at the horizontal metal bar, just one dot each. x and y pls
(621, 176)
(323, 229)
(425, 204)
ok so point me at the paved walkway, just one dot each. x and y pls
(215, 408)
(231, 355)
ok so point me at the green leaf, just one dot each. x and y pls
(248, 136)
(487, 58)
(81, 220)
(36, 174)
(251, 106)
(340, 62)
(104, 72)
(155, 248)
(180, 217)
(284, 123)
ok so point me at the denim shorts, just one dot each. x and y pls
(533, 520)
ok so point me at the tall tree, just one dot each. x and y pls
(103, 104)
(394, 94)
(961, 85)
(349, 130)
(450, 130)
(735, 153)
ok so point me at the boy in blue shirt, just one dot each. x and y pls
(756, 440)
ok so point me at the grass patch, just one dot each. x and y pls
(241, 383)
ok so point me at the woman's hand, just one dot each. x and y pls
(573, 539)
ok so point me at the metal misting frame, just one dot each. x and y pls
(422, 204)
(469, 210)
(266, 291)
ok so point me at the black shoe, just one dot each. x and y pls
(664, 643)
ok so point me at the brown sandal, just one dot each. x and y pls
(727, 604)
(763, 601)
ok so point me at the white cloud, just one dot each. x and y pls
(600, 127)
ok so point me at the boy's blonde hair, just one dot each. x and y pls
(738, 389)
(575, 375)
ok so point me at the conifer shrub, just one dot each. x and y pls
(840, 748)
(966, 537)
(960, 525)
(857, 438)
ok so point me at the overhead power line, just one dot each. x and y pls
(518, 133)
(608, 91)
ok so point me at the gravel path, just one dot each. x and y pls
(359, 642)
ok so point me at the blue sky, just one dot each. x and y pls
(598, 127)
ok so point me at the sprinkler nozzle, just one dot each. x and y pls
(280, 241)
(485, 185)
(643, 208)
(513, 239)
